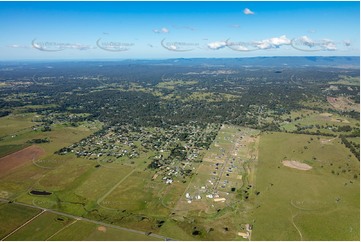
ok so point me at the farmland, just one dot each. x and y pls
(181, 152)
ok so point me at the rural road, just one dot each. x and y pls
(79, 218)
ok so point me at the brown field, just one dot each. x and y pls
(19, 158)
(343, 104)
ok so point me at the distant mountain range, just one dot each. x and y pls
(299, 61)
(277, 62)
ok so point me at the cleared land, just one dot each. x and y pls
(343, 104)
(19, 158)
(318, 204)
(296, 165)
(219, 195)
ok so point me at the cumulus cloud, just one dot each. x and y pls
(307, 41)
(272, 42)
(162, 30)
(239, 47)
(217, 45)
(248, 11)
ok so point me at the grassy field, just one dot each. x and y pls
(307, 117)
(41, 228)
(101, 180)
(137, 193)
(12, 216)
(13, 124)
(318, 204)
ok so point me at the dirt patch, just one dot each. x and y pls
(296, 165)
(343, 104)
(339, 120)
(326, 114)
(102, 229)
(19, 158)
(325, 141)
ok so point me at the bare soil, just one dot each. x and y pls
(19, 158)
(296, 165)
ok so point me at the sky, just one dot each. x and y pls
(153, 30)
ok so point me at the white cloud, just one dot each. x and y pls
(239, 48)
(307, 41)
(217, 45)
(247, 11)
(162, 30)
(327, 44)
(272, 42)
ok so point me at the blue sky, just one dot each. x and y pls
(117, 30)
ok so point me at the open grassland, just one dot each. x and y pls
(317, 204)
(16, 123)
(41, 228)
(138, 194)
(29, 171)
(100, 181)
(324, 122)
(105, 233)
(12, 216)
(348, 80)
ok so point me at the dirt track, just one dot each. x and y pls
(19, 158)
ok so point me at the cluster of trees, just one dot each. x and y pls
(107, 93)
(353, 147)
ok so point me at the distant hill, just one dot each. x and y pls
(317, 61)
(277, 62)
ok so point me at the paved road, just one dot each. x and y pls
(82, 219)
